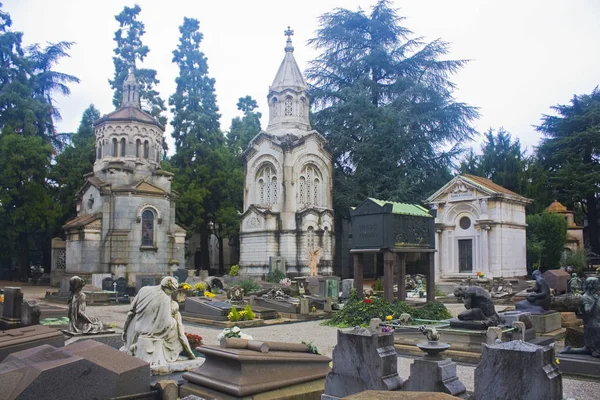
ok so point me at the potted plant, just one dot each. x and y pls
(199, 288)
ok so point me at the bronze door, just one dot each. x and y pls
(465, 255)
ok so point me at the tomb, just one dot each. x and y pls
(14, 340)
(207, 309)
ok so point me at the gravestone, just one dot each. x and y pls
(30, 313)
(11, 313)
(313, 285)
(98, 279)
(332, 288)
(121, 286)
(517, 370)
(557, 279)
(145, 280)
(278, 305)
(347, 286)
(107, 284)
(201, 308)
(181, 275)
(362, 360)
(84, 370)
(14, 340)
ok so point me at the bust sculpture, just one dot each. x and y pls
(590, 311)
(153, 328)
(79, 322)
(538, 301)
(479, 308)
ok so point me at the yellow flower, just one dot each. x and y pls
(209, 295)
(314, 309)
(557, 361)
(388, 318)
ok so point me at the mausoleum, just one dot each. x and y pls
(288, 206)
(480, 227)
(125, 224)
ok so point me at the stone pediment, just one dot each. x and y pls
(148, 188)
(470, 187)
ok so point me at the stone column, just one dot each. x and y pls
(358, 273)
(401, 275)
(430, 278)
(388, 276)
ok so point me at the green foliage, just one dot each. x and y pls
(578, 259)
(384, 102)
(546, 237)
(234, 315)
(243, 129)
(234, 270)
(129, 52)
(570, 151)
(311, 347)
(378, 285)
(249, 313)
(249, 285)
(439, 292)
(358, 312)
(275, 276)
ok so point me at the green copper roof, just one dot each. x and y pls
(404, 208)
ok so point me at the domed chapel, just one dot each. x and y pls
(125, 224)
(288, 205)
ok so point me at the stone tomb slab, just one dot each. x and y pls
(19, 339)
(202, 308)
(242, 372)
(544, 323)
(83, 370)
(579, 364)
(264, 313)
(396, 395)
(278, 305)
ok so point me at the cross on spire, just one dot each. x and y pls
(288, 43)
(289, 33)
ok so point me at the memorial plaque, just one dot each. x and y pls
(108, 284)
(121, 286)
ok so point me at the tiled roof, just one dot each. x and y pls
(488, 184)
(82, 220)
(556, 207)
(129, 113)
(404, 208)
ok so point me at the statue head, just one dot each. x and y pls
(591, 285)
(574, 275)
(76, 284)
(168, 284)
(537, 274)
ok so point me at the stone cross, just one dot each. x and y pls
(289, 33)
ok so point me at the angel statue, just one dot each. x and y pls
(313, 256)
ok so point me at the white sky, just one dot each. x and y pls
(526, 55)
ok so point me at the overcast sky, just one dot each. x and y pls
(526, 55)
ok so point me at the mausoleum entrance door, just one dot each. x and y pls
(465, 255)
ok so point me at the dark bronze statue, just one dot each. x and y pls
(479, 307)
(590, 311)
(538, 301)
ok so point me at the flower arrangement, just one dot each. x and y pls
(234, 270)
(480, 275)
(286, 282)
(210, 295)
(389, 318)
(234, 332)
(368, 300)
(313, 309)
(200, 286)
(386, 329)
(245, 315)
(195, 340)
(185, 286)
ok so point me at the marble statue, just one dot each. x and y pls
(155, 321)
(479, 306)
(79, 322)
(537, 302)
(590, 310)
(575, 284)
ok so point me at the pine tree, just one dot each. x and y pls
(206, 175)
(384, 102)
(129, 54)
(570, 152)
(243, 129)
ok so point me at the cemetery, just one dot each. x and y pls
(351, 249)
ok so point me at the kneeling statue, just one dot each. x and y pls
(79, 322)
(590, 310)
(153, 329)
(479, 308)
(537, 302)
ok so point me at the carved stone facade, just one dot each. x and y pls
(288, 205)
(125, 222)
(480, 227)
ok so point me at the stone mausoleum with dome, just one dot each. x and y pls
(288, 206)
(125, 224)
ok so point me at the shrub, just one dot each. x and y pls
(249, 313)
(378, 285)
(234, 270)
(578, 259)
(234, 315)
(359, 311)
(275, 276)
(249, 285)
(546, 237)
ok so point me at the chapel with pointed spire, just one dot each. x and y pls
(288, 203)
(125, 225)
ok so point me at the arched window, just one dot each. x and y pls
(115, 147)
(123, 141)
(274, 108)
(146, 149)
(309, 191)
(158, 155)
(301, 107)
(138, 148)
(310, 238)
(147, 228)
(287, 106)
(267, 189)
(98, 151)
(326, 242)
